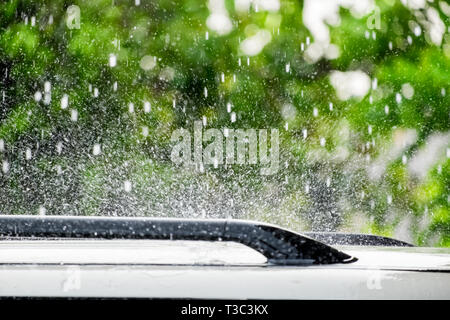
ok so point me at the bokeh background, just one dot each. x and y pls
(358, 89)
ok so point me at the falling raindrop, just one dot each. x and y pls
(127, 185)
(145, 131)
(42, 211)
(386, 109)
(5, 166)
(374, 84)
(131, 107)
(96, 150)
(417, 31)
(47, 98)
(233, 117)
(47, 86)
(315, 112)
(369, 129)
(205, 92)
(147, 107)
(409, 39)
(37, 96)
(2, 145)
(28, 154)
(59, 147)
(112, 60)
(322, 141)
(404, 159)
(64, 101)
(228, 107)
(73, 115)
(331, 106)
(305, 133)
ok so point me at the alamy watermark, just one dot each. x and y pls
(73, 17)
(374, 19)
(226, 147)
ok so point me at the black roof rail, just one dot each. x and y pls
(278, 245)
(356, 239)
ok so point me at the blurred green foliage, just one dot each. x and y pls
(320, 187)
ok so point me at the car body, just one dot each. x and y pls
(101, 267)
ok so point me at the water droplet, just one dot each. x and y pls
(404, 159)
(288, 67)
(59, 147)
(64, 101)
(398, 97)
(233, 117)
(42, 211)
(37, 96)
(145, 131)
(331, 106)
(112, 60)
(47, 86)
(305, 133)
(74, 115)
(28, 154)
(2, 145)
(147, 107)
(369, 129)
(5, 166)
(97, 149)
(315, 112)
(205, 92)
(228, 107)
(131, 107)
(417, 31)
(322, 141)
(374, 84)
(386, 109)
(95, 92)
(147, 63)
(47, 99)
(127, 185)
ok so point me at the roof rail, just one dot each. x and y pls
(278, 245)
